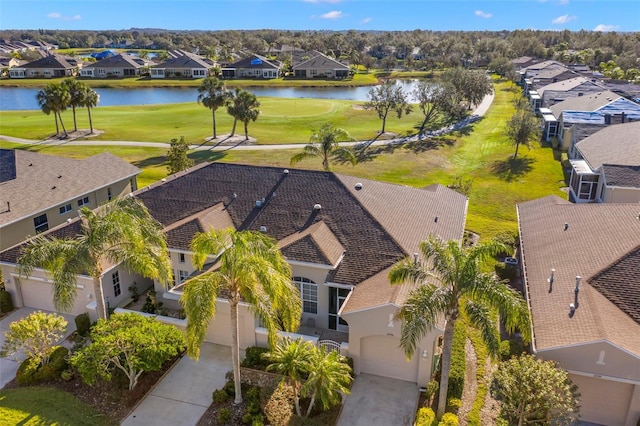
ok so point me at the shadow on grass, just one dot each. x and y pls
(196, 156)
(512, 168)
(428, 144)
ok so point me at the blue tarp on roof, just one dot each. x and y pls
(103, 54)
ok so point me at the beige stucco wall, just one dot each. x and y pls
(379, 322)
(621, 195)
(18, 231)
(219, 331)
(127, 278)
(318, 276)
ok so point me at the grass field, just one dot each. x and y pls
(46, 406)
(482, 154)
(280, 121)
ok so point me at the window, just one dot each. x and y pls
(83, 201)
(41, 223)
(182, 275)
(115, 277)
(65, 209)
(109, 195)
(132, 185)
(181, 257)
(308, 294)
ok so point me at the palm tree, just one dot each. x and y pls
(329, 378)
(462, 287)
(90, 100)
(244, 107)
(250, 268)
(324, 144)
(213, 95)
(54, 98)
(76, 93)
(119, 232)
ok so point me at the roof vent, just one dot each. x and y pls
(285, 172)
(317, 206)
(163, 179)
(566, 226)
(59, 176)
(358, 186)
(436, 219)
(234, 195)
(258, 203)
(30, 164)
(69, 220)
(263, 229)
(53, 187)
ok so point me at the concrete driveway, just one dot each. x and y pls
(184, 394)
(379, 401)
(9, 365)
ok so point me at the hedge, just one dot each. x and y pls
(458, 361)
(29, 372)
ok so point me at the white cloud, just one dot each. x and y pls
(76, 17)
(54, 15)
(365, 20)
(334, 14)
(563, 19)
(605, 27)
(483, 14)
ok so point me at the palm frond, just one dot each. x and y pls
(480, 317)
(199, 302)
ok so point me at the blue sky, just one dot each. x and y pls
(602, 15)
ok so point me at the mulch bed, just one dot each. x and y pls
(112, 399)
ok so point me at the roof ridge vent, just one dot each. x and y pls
(263, 229)
(317, 207)
(358, 186)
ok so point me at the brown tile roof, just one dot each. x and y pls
(315, 244)
(255, 62)
(44, 181)
(615, 144)
(590, 102)
(600, 239)
(50, 61)
(118, 61)
(321, 61)
(186, 60)
(625, 176)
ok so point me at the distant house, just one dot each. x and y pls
(553, 93)
(548, 70)
(254, 66)
(7, 62)
(122, 65)
(185, 65)
(581, 264)
(321, 66)
(606, 167)
(51, 66)
(39, 192)
(523, 62)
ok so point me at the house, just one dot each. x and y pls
(549, 75)
(581, 264)
(50, 66)
(606, 167)
(523, 62)
(340, 234)
(122, 65)
(528, 73)
(254, 66)
(553, 93)
(574, 119)
(321, 66)
(39, 192)
(184, 64)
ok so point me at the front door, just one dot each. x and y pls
(337, 296)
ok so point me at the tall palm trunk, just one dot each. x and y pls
(516, 154)
(62, 124)
(313, 401)
(57, 126)
(75, 126)
(90, 122)
(246, 130)
(235, 348)
(445, 362)
(98, 292)
(233, 130)
(296, 396)
(213, 114)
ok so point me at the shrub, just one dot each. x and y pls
(253, 394)
(509, 239)
(425, 417)
(506, 272)
(83, 324)
(219, 396)
(67, 375)
(258, 420)
(458, 361)
(254, 407)
(453, 405)
(449, 419)
(230, 388)
(30, 371)
(35, 335)
(432, 389)
(279, 406)
(247, 418)
(6, 304)
(224, 415)
(253, 358)
(510, 348)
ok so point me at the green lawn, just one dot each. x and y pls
(46, 406)
(281, 121)
(482, 154)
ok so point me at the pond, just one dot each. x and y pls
(21, 98)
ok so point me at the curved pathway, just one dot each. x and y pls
(480, 110)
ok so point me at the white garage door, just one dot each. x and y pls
(382, 355)
(37, 295)
(603, 401)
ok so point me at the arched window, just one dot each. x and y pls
(308, 294)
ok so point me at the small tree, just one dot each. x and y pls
(35, 335)
(324, 144)
(177, 156)
(535, 391)
(523, 129)
(128, 342)
(388, 98)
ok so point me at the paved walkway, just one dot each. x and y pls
(9, 365)
(184, 394)
(379, 401)
(480, 110)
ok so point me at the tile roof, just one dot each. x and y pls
(617, 144)
(567, 85)
(50, 61)
(185, 60)
(315, 244)
(43, 181)
(251, 62)
(624, 176)
(118, 61)
(600, 242)
(321, 61)
(590, 102)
